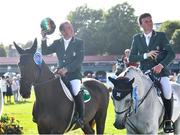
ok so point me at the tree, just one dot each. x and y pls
(176, 40)
(169, 27)
(2, 51)
(120, 25)
(109, 33)
(88, 25)
(28, 44)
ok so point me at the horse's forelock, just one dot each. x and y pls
(25, 58)
(122, 88)
(28, 52)
(123, 84)
(123, 79)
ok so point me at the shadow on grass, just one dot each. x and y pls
(19, 102)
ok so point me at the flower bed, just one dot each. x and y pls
(8, 125)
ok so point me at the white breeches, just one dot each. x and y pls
(166, 86)
(76, 85)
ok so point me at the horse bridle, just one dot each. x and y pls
(130, 106)
(34, 82)
(128, 111)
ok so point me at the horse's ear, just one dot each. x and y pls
(114, 81)
(19, 49)
(131, 81)
(34, 46)
(119, 60)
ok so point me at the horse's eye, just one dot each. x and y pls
(127, 101)
(19, 64)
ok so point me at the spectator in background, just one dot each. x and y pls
(9, 89)
(125, 59)
(89, 75)
(3, 86)
(15, 88)
(178, 78)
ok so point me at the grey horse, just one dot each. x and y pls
(138, 108)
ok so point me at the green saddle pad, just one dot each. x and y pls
(86, 94)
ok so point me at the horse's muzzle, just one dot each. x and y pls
(119, 125)
(25, 95)
(25, 92)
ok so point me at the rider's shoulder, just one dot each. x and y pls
(138, 35)
(78, 39)
(58, 40)
(161, 34)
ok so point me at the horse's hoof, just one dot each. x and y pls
(168, 127)
(80, 123)
(168, 130)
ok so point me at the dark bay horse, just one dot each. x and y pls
(52, 110)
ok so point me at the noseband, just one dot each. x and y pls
(127, 111)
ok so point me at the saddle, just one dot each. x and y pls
(169, 123)
(69, 93)
(85, 91)
(157, 84)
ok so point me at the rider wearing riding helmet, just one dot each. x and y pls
(70, 53)
(146, 48)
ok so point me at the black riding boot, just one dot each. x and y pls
(168, 123)
(80, 109)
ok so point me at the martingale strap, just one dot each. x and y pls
(70, 126)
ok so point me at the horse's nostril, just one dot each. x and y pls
(25, 95)
(116, 125)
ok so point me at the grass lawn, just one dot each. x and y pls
(23, 112)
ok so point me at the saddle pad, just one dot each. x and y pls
(86, 94)
(66, 90)
(175, 100)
